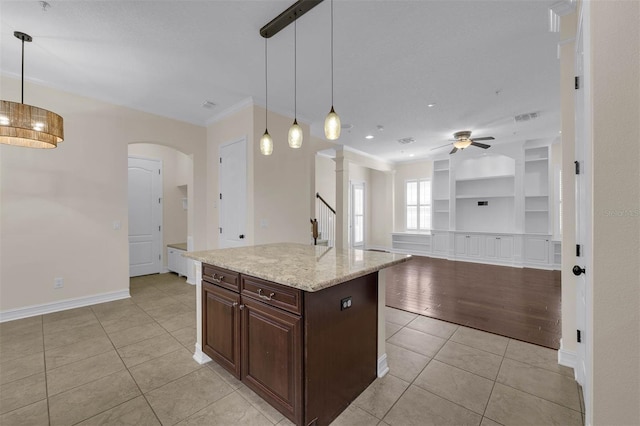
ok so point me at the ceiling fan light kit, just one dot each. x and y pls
(463, 140)
(26, 125)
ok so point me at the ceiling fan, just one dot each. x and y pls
(463, 139)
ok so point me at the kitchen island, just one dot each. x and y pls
(301, 325)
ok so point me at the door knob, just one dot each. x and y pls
(241, 236)
(577, 271)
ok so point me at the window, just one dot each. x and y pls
(418, 205)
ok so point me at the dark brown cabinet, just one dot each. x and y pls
(300, 351)
(272, 355)
(221, 330)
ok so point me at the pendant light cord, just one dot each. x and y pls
(22, 86)
(295, 69)
(332, 53)
(266, 92)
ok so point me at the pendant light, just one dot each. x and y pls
(266, 142)
(332, 122)
(295, 131)
(27, 125)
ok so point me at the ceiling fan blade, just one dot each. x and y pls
(480, 145)
(453, 151)
(441, 146)
(487, 138)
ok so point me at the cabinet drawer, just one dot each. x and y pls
(287, 298)
(221, 277)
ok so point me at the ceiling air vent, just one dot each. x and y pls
(526, 117)
(406, 141)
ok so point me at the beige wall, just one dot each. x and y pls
(404, 172)
(615, 131)
(326, 179)
(231, 128)
(282, 183)
(381, 209)
(58, 206)
(176, 177)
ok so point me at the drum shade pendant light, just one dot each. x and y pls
(332, 122)
(295, 131)
(27, 125)
(266, 142)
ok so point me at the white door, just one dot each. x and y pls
(357, 215)
(145, 216)
(233, 194)
(583, 210)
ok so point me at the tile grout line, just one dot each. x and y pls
(494, 380)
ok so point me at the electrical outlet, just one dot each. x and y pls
(58, 282)
(345, 303)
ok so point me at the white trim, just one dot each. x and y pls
(231, 110)
(383, 367)
(199, 356)
(380, 248)
(47, 308)
(567, 358)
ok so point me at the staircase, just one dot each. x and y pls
(323, 226)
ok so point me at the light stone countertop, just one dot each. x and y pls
(305, 267)
(179, 246)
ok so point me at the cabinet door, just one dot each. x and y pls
(171, 260)
(536, 249)
(272, 356)
(440, 243)
(221, 327)
(505, 248)
(491, 247)
(473, 245)
(461, 245)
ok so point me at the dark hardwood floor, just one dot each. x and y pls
(521, 303)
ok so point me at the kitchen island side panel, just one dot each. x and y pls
(340, 346)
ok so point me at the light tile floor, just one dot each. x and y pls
(129, 363)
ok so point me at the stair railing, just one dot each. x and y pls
(324, 223)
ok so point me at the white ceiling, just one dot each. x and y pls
(481, 62)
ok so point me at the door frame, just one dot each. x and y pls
(584, 208)
(160, 242)
(352, 185)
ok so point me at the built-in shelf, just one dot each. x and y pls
(441, 211)
(534, 154)
(462, 197)
(533, 160)
(475, 179)
(537, 211)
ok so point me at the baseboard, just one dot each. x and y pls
(567, 358)
(383, 367)
(199, 356)
(379, 248)
(63, 305)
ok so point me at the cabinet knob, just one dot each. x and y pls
(577, 270)
(234, 304)
(241, 307)
(241, 236)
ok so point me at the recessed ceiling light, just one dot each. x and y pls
(411, 155)
(208, 105)
(431, 105)
(560, 131)
(369, 137)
